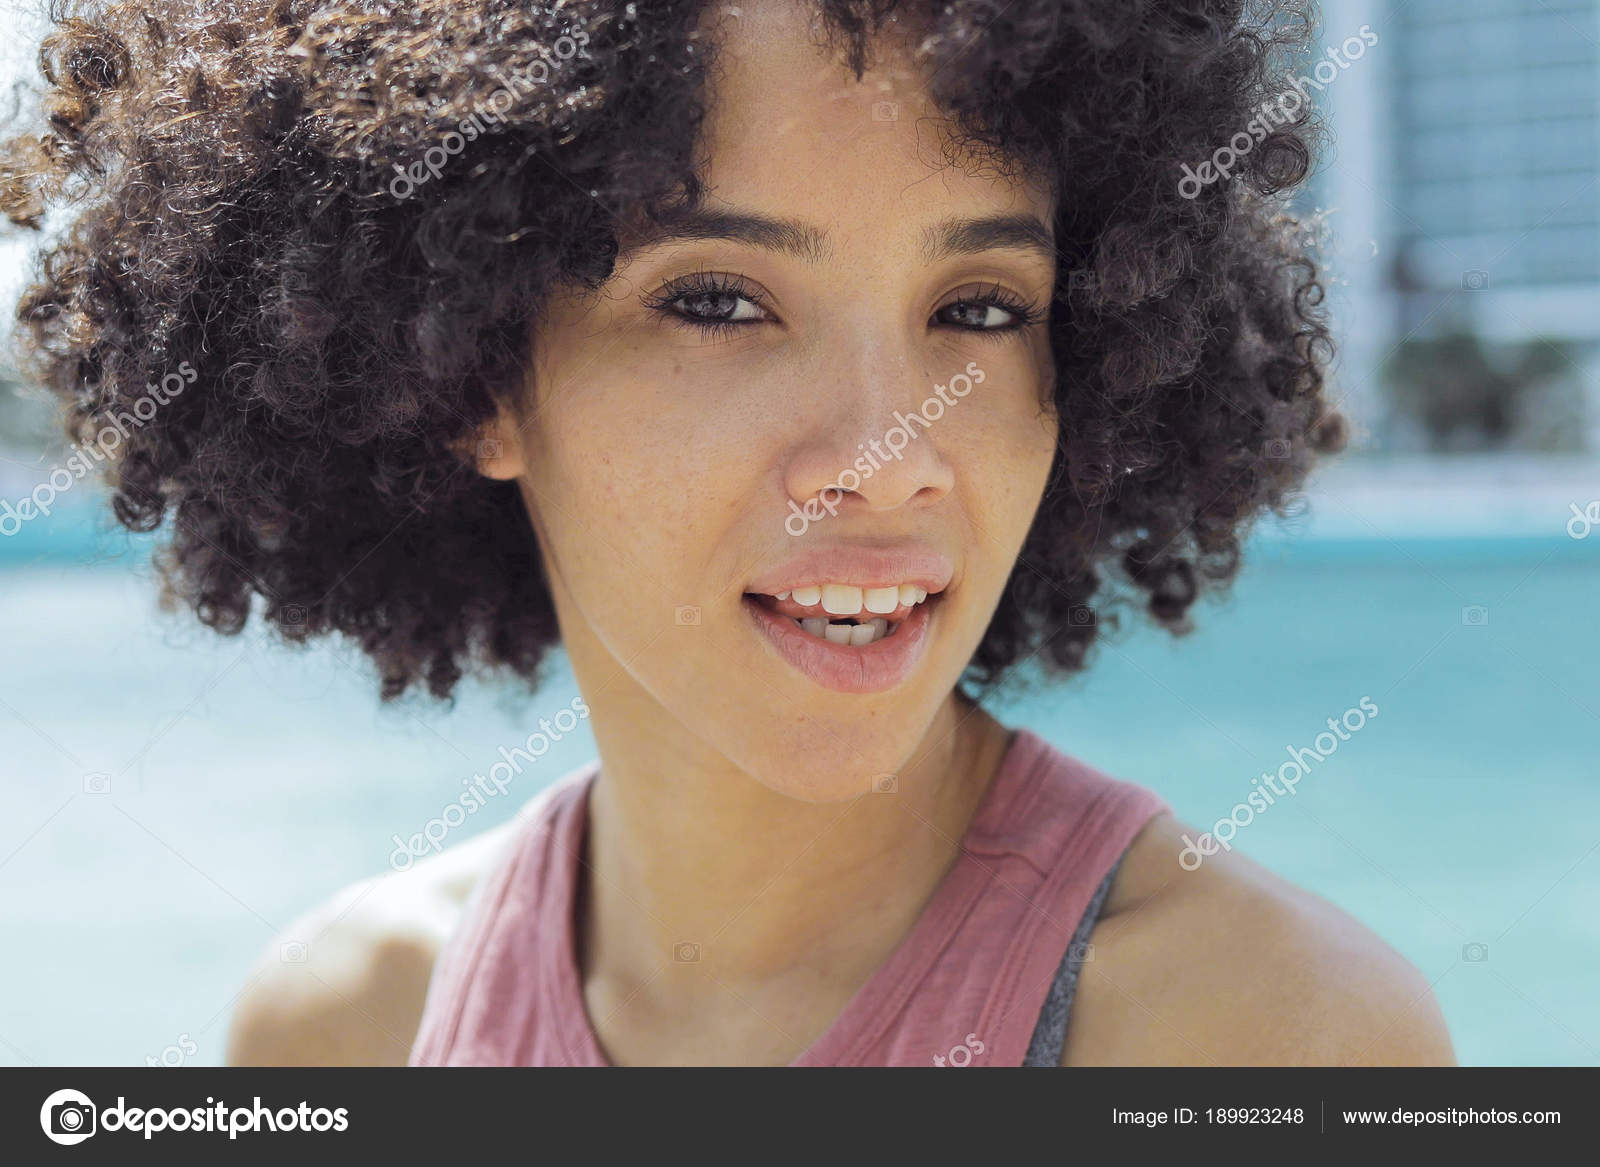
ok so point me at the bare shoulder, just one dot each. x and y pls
(344, 984)
(1230, 965)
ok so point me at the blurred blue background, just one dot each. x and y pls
(170, 800)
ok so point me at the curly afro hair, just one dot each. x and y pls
(228, 176)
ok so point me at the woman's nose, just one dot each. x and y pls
(877, 439)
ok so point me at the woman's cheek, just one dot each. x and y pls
(1011, 411)
(1006, 453)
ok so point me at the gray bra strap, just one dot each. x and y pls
(1050, 1033)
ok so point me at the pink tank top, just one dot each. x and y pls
(979, 960)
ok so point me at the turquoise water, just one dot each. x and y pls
(248, 781)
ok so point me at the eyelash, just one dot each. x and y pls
(703, 284)
(1024, 313)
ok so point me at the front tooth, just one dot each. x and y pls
(838, 633)
(815, 625)
(841, 599)
(908, 594)
(805, 597)
(922, 594)
(861, 635)
(781, 596)
(881, 599)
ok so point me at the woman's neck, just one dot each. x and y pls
(782, 904)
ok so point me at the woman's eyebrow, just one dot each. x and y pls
(968, 236)
(958, 235)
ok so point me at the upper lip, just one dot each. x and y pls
(864, 567)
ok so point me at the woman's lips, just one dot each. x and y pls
(847, 668)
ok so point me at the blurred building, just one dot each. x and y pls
(1464, 195)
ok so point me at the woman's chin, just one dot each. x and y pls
(836, 770)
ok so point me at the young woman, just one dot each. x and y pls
(805, 370)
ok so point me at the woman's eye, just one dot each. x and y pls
(717, 307)
(972, 314)
(988, 309)
(718, 304)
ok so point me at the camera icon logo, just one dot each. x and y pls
(1081, 616)
(97, 783)
(293, 615)
(688, 616)
(1278, 449)
(1475, 615)
(885, 111)
(1082, 952)
(488, 449)
(292, 952)
(1475, 280)
(885, 783)
(1080, 279)
(1475, 953)
(686, 953)
(67, 1117)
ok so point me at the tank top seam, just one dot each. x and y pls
(579, 1040)
(1053, 1029)
(482, 916)
(463, 971)
(1067, 861)
(1087, 832)
(1012, 984)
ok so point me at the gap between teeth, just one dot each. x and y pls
(856, 635)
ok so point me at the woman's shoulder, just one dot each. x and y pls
(344, 984)
(1227, 964)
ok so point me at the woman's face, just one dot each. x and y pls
(837, 378)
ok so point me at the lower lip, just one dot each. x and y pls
(844, 668)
